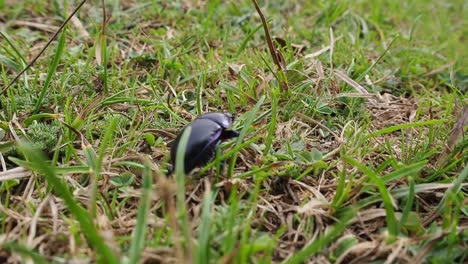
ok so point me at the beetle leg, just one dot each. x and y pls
(228, 134)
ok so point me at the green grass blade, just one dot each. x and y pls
(398, 193)
(363, 74)
(28, 121)
(245, 250)
(39, 164)
(322, 241)
(180, 179)
(394, 128)
(18, 54)
(401, 172)
(409, 202)
(139, 234)
(250, 119)
(98, 162)
(204, 229)
(72, 169)
(52, 68)
(455, 189)
(273, 121)
(199, 92)
(392, 223)
(231, 238)
(7, 38)
(9, 63)
(340, 193)
(246, 40)
(26, 252)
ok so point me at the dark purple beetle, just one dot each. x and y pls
(208, 130)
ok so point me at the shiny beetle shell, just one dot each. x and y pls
(223, 119)
(208, 130)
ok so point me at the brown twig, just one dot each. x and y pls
(271, 46)
(104, 17)
(44, 48)
(102, 54)
(456, 133)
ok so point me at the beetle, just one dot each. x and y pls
(207, 132)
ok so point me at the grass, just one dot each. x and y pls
(355, 151)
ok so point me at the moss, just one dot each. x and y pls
(43, 136)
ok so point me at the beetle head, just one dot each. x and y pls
(223, 119)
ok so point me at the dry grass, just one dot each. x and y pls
(336, 127)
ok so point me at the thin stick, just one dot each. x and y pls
(45, 47)
(272, 48)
